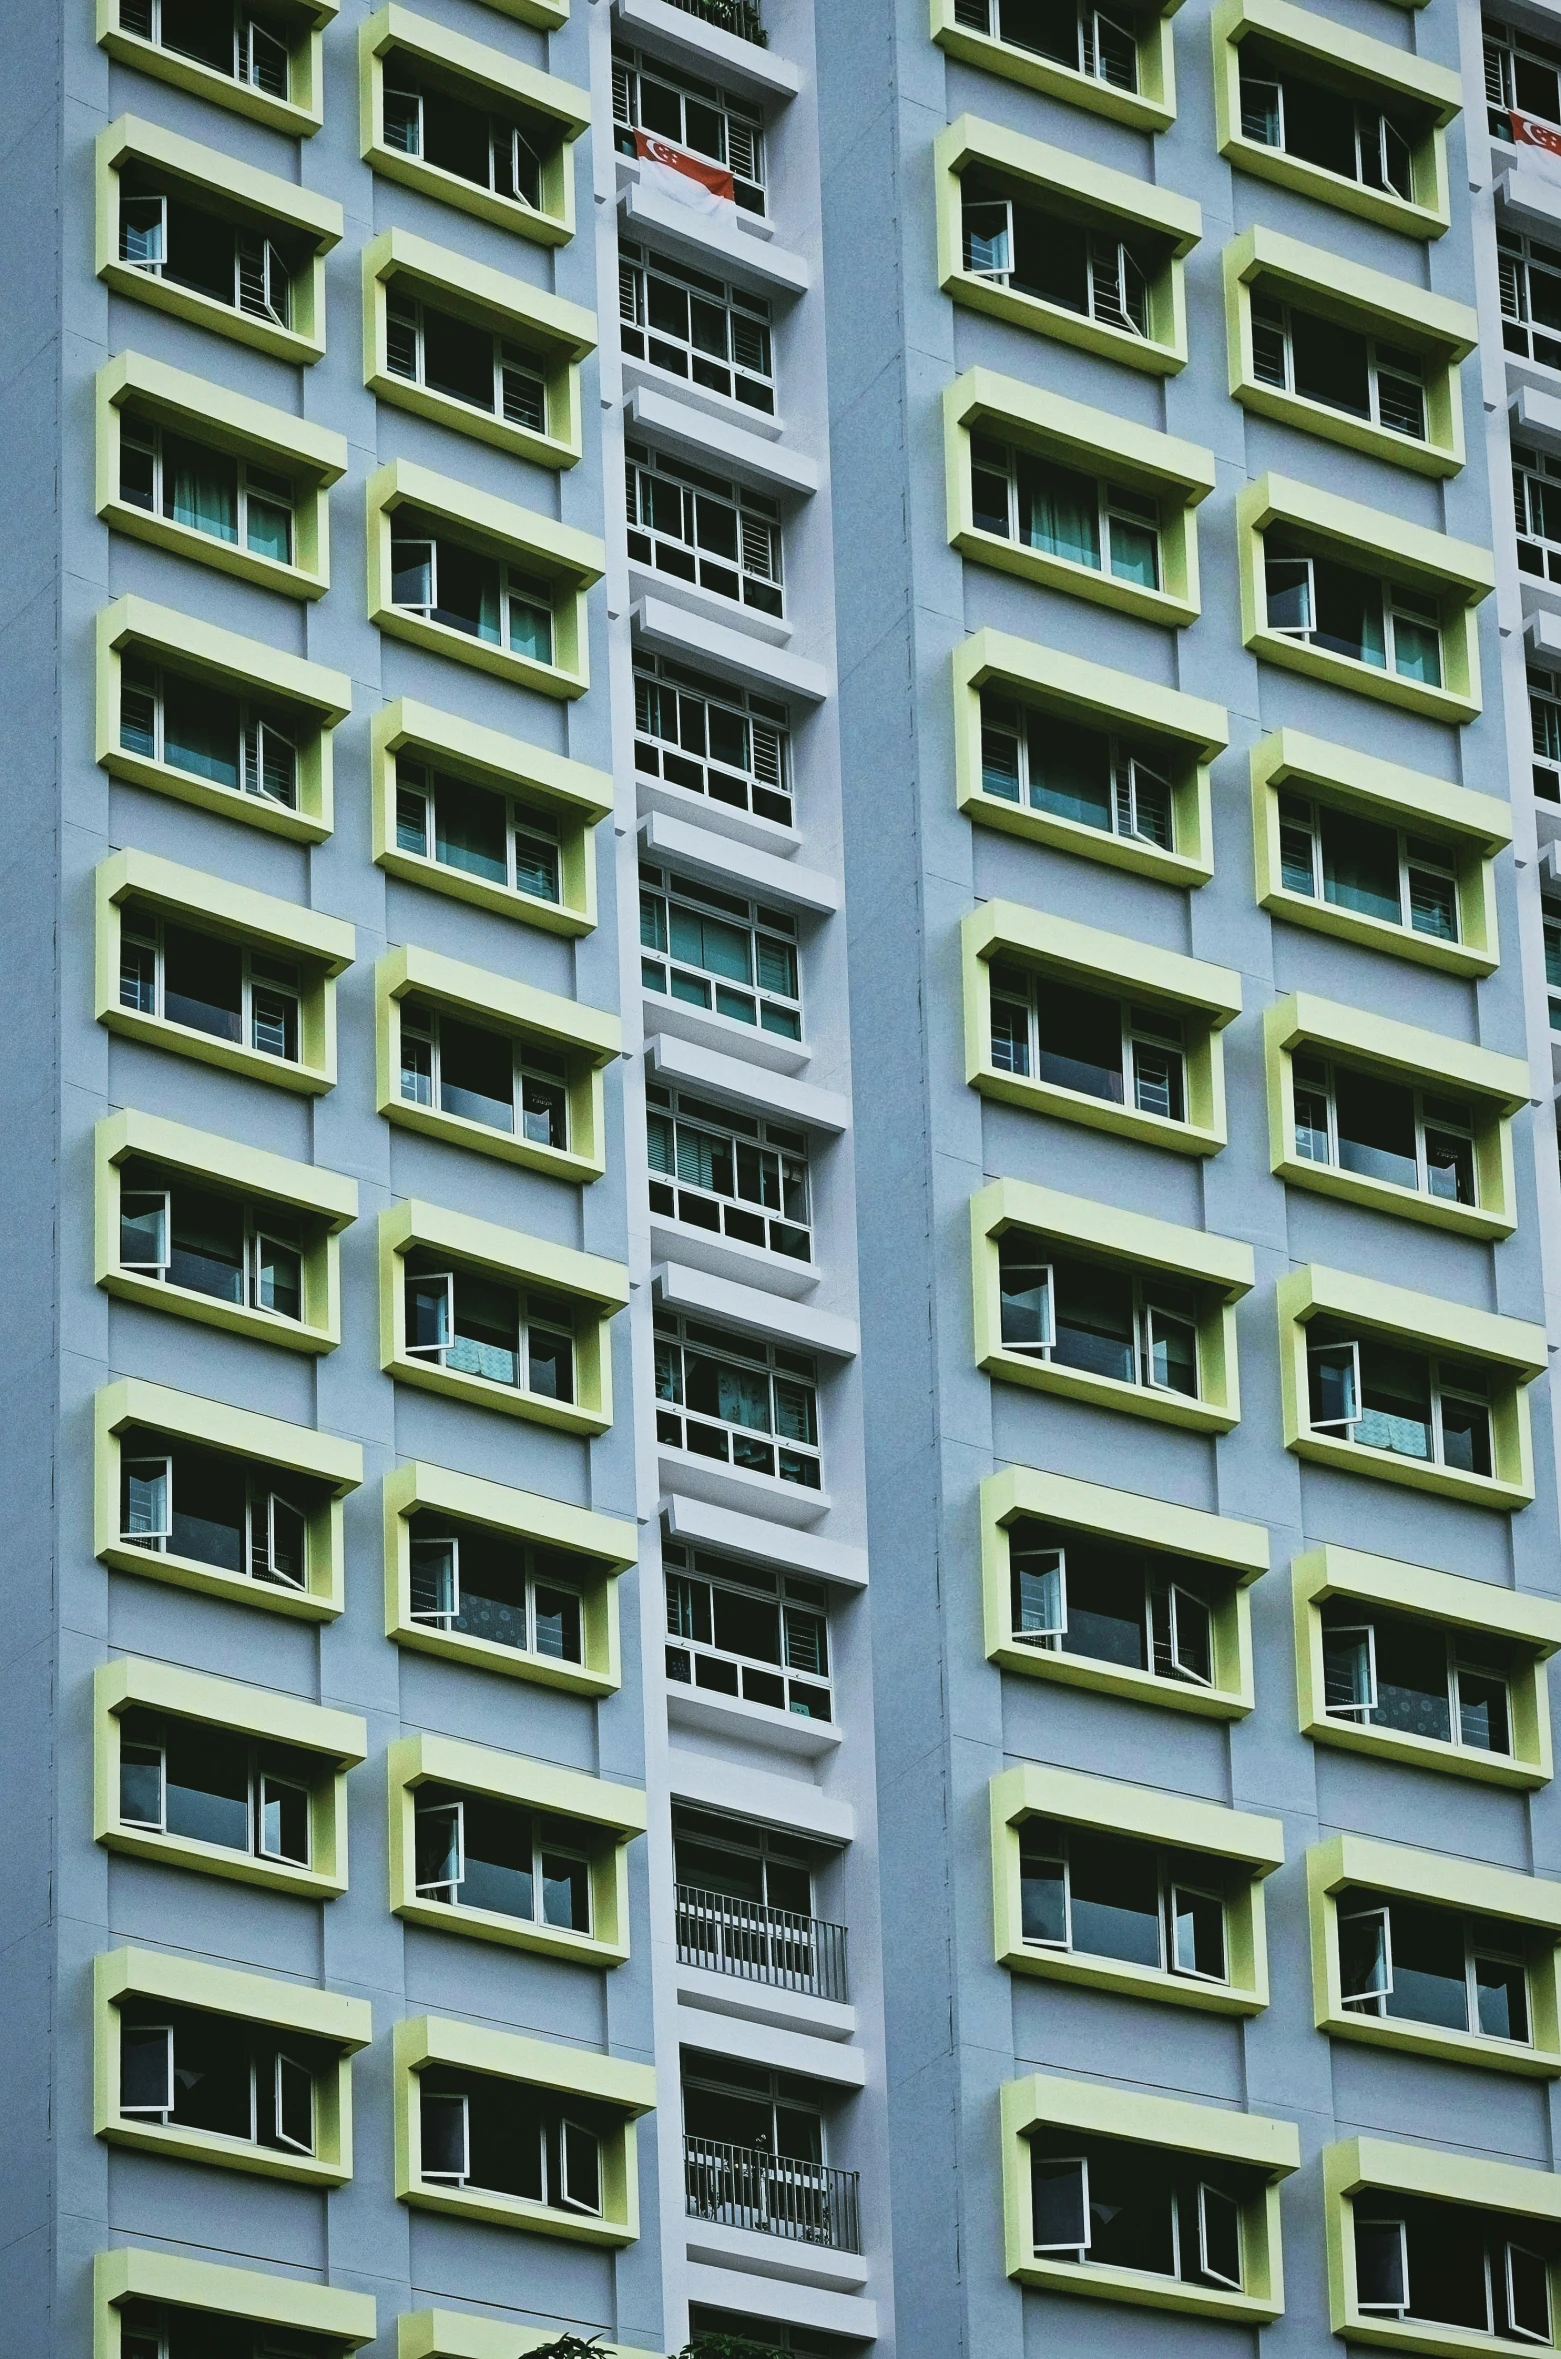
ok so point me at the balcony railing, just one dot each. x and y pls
(733, 16)
(742, 2188)
(761, 1944)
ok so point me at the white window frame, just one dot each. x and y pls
(669, 892)
(760, 554)
(447, 1887)
(540, 1852)
(567, 2200)
(1080, 2163)
(1527, 2334)
(284, 2067)
(255, 736)
(1206, 2192)
(637, 265)
(1051, 1638)
(521, 818)
(1176, 1593)
(450, 2098)
(1396, 2309)
(1358, 1713)
(515, 588)
(159, 1267)
(160, 1539)
(158, 2113)
(1110, 499)
(264, 1783)
(1345, 1425)
(1174, 1964)
(1370, 2002)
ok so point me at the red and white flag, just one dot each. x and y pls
(1527, 132)
(687, 179)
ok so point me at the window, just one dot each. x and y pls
(700, 528)
(1048, 1028)
(204, 1240)
(179, 1498)
(754, 2146)
(500, 1079)
(1073, 1593)
(1452, 2264)
(1108, 1896)
(178, 1777)
(504, 840)
(246, 265)
(696, 327)
(767, 2113)
(1091, 41)
(1099, 1317)
(499, 146)
(207, 491)
(1079, 518)
(474, 1851)
(475, 1323)
(1381, 1129)
(252, 51)
(183, 975)
(737, 1630)
(1119, 785)
(1096, 270)
(445, 580)
(1522, 76)
(170, 2330)
(1109, 2203)
(186, 2068)
(475, 1582)
(1380, 1395)
(478, 366)
(1369, 867)
(1321, 602)
(1402, 1960)
(1529, 273)
(728, 743)
(795, 2342)
(249, 744)
(731, 1173)
(653, 101)
(746, 1902)
(507, 2138)
(720, 952)
(1398, 1671)
(1544, 705)
(1318, 359)
(728, 1397)
(1536, 503)
(1320, 123)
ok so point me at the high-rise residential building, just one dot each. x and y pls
(783, 800)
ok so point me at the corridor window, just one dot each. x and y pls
(1364, 376)
(1402, 1672)
(1093, 777)
(209, 491)
(474, 365)
(1453, 2265)
(1382, 1129)
(209, 984)
(1324, 603)
(734, 1174)
(499, 839)
(1099, 1317)
(475, 1851)
(696, 327)
(1082, 519)
(473, 1323)
(743, 1403)
(1381, 1395)
(1522, 76)
(1536, 502)
(730, 744)
(504, 1081)
(1529, 275)
(1108, 1896)
(738, 1630)
(1404, 1961)
(248, 744)
(654, 101)
(702, 528)
(1544, 705)
(718, 951)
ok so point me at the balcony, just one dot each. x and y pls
(761, 1944)
(738, 17)
(773, 2194)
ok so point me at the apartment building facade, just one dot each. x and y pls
(443, 1908)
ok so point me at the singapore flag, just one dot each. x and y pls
(686, 179)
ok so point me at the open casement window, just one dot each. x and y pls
(505, 1081)
(1397, 1671)
(477, 1324)
(181, 1499)
(1529, 275)
(185, 1778)
(1102, 273)
(471, 1581)
(1082, 519)
(1126, 1052)
(246, 743)
(730, 745)
(1453, 2265)
(482, 2132)
(474, 1851)
(269, 56)
(1361, 375)
(485, 369)
(1074, 1593)
(243, 264)
(703, 529)
(1100, 1317)
(505, 840)
(732, 1174)
(1387, 1396)
(1367, 1123)
(1404, 1960)
(442, 579)
(1324, 603)
(509, 151)
(696, 327)
(1118, 784)
(719, 951)
(187, 2068)
(1108, 2203)
(652, 100)
(1094, 1895)
(206, 1241)
(210, 983)
(736, 1629)
(1357, 137)
(1522, 77)
(1099, 43)
(1369, 867)
(737, 1400)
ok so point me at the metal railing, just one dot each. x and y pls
(732, 16)
(761, 1944)
(773, 2193)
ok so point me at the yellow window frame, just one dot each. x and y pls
(253, 2297)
